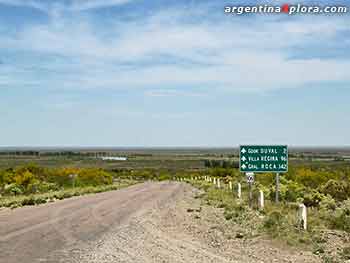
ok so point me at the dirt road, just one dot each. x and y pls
(148, 222)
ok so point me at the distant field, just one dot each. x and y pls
(155, 158)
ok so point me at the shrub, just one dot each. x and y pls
(93, 177)
(313, 199)
(164, 176)
(340, 219)
(293, 191)
(328, 203)
(311, 178)
(274, 220)
(339, 190)
(24, 179)
(13, 189)
(44, 187)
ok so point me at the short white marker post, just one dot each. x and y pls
(303, 216)
(219, 185)
(261, 200)
(239, 191)
(230, 185)
(214, 180)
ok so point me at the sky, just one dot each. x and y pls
(171, 73)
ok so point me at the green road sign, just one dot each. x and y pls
(263, 158)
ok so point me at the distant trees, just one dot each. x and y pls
(221, 164)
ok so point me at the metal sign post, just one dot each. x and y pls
(250, 181)
(277, 187)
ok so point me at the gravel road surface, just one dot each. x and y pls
(148, 222)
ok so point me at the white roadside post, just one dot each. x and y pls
(214, 181)
(73, 177)
(230, 185)
(219, 185)
(261, 200)
(302, 216)
(239, 191)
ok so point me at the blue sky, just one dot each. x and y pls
(171, 73)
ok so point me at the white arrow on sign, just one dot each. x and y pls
(243, 150)
(244, 159)
(244, 166)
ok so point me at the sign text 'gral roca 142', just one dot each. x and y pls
(263, 158)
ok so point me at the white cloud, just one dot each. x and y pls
(80, 5)
(26, 3)
(163, 51)
(52, 7)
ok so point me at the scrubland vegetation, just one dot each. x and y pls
(31, 184)
(323, 188)
(325, 192)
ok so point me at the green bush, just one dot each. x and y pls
(13, 189)
(313, 199)
(339, 190)
(163, 176)
(274, 220)
(93, 177)
(44, 187)
(328, 203)
(340, 219)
